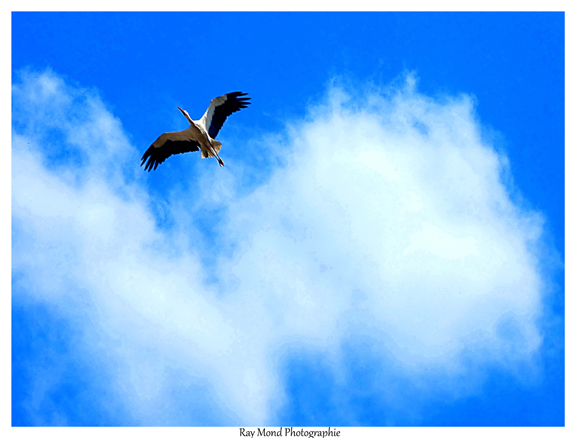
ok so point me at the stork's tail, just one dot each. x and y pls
(212, 151)
(216, 145)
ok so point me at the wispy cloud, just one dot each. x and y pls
(387, 226)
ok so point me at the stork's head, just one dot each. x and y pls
(186, 115)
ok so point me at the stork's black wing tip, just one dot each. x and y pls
(147, 156)
(238, 94)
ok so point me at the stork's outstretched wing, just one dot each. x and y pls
(220, 108)
(167, 144)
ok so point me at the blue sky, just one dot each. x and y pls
(385, 245)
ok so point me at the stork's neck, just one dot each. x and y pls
(185, 114)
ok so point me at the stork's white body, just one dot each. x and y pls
(198, 131)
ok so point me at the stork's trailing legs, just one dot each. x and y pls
(220, 162)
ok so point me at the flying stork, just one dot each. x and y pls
(200, 134)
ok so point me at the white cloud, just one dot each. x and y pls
(388, 223)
